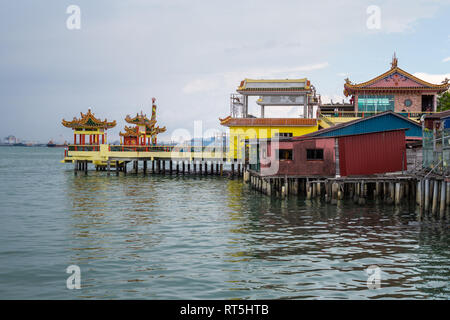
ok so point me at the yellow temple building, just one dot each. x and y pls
(289, 93)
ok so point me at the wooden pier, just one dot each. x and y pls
(154, 160)
(431, 193)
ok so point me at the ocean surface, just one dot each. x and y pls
(162, 237)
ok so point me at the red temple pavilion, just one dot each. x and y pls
(144, 132)
(89, 125)
(395, 90)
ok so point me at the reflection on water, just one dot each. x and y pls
(162, 237)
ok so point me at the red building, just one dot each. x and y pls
(347, 155)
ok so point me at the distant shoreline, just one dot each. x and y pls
(34, 145)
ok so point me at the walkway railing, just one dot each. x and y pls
(126, 148)
(81, 147)
(362, 114)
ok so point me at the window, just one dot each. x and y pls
(285, 154)
(408, 103)
(375, 103)
(283, 134)
(314, 154)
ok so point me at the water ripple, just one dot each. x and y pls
(162, 237)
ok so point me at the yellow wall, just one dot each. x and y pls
(239, 134)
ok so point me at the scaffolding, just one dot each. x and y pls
(237, 106)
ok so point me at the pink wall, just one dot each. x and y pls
(396, 81)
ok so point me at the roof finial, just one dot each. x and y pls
(394, 61)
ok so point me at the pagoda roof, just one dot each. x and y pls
(130, 132)
(88, 121)
(134, 132)
(394, 79)
(157, 130)
(274, 85)
(140, 119)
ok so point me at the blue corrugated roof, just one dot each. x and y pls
(381, 122)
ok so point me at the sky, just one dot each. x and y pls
(190, 55)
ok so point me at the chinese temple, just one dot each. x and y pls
(297, 93)
(89, 125)
(144, 131)
(395, 90)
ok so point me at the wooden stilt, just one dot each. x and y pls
(427, 195)
(362, 193)
(419, 193)
(435, 197)
(447, 197)
(442, 201)
(397, 193)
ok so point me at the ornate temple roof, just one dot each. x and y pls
(394, 79)
(275, 86)
(88, 121)
(157, 130)
(130, 132)
(140, 119)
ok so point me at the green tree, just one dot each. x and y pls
(444, 101)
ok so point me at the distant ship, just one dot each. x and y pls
(51, 144)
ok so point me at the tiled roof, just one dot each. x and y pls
(350, 87)
(88, 121)
(267, 122)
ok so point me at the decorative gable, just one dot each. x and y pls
(396, 80)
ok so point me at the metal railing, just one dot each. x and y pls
(127, 148)
(83, 147)
(362, 114)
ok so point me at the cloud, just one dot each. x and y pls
(194, 53)
(446, 59)
(433, 78)
(201, 85)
